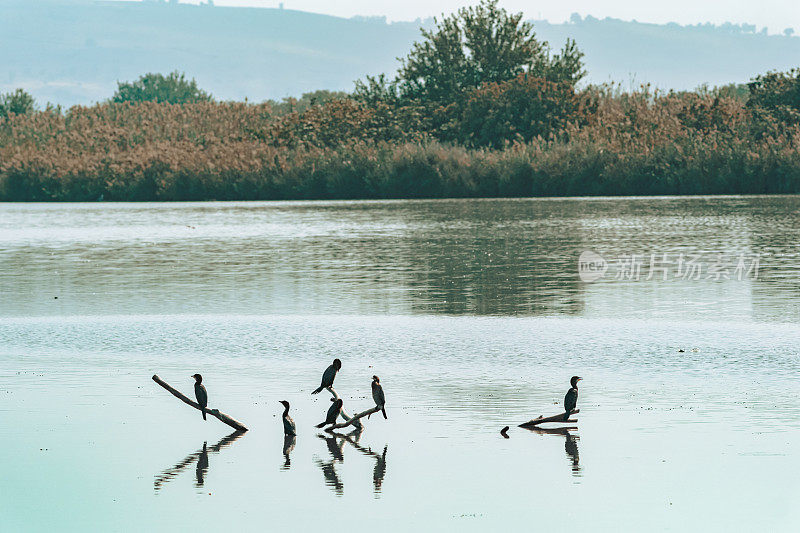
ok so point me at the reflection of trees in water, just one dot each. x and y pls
(201, 456)
(335, 443)
(457, 257)
(489, 258)
(774, 234)
(570, 444)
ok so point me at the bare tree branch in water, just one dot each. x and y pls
(555, 418)
(222, 417)
(350, 420)
(354, 420)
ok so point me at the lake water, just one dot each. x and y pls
(474, 314)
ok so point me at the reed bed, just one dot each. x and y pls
(639, 143)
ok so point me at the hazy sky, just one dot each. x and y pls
(775, 14)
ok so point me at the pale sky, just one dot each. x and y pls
(775, 14)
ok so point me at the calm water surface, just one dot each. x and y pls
(473, 314)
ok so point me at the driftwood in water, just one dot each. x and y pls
(355, 419)
(554, 418)
(350, 420)
(564, 430)
(222, 417)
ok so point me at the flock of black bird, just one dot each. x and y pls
(335, 441)
(289, 427)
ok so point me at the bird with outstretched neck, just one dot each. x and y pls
(378, 396)
(200, 393)
(333, 413)
(329, 375)
(571, 399)
(288, 423)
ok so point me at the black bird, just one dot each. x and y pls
(378, 396)
(200, 393)
(329, 375)
(288, 423)
(571, 399)
(333, 413)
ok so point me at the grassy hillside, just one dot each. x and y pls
(70, 52)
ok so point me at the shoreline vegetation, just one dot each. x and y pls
(479, 108)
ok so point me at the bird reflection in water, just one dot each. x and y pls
(570, 444)
(328, 468)
(379, 472)
(200, 456)
(335, 442)
(202, 466)
(335, 446)
(288, 445)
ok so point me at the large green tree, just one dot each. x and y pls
(18, 102)
(777, 93)
(515, 110)
(173, 88)
(476, 45)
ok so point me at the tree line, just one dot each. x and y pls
(478, 107)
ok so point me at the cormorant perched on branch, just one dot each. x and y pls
(200, 393)
(571, 399)
(288, 423)
(378, 396)
(329, 375)
(333, 413)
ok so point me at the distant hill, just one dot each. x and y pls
(71, 52)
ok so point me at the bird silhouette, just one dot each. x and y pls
(571, 399)
(201, 394)
(288, 423)
(378, 396)
(333, 413)
(329, 375)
